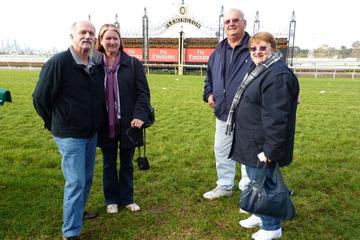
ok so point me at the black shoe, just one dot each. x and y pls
(90, 215)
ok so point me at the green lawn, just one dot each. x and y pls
(324, 175)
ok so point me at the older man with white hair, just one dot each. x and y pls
(227, 67)
(70, 101)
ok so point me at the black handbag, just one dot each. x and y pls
(142, 161)
(276, 203)
(138, 138)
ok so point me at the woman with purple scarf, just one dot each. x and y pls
(127, 107)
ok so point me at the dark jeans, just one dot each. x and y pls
(118, 186)
(269, 223)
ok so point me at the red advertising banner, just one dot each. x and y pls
(198, 54)
(163, 55)
(135, 52)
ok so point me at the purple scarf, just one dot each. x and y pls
(111, 94)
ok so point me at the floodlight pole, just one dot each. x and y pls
(220, 33)
(146, 37)
(116, 23)
(292, 28)
(256, 23)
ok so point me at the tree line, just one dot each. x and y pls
(325, 51)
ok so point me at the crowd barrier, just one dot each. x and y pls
(342, 71)
(328, 71)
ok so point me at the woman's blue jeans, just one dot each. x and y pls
(268, 223)
(118, 186)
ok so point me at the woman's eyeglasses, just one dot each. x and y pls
(261, 48)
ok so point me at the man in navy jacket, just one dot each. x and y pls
(227, 67)
(70, 100)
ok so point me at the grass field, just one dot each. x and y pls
(325, 173)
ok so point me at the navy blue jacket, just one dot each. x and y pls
(69, 99)
(223, 94)
(134, 99)
(265, 118)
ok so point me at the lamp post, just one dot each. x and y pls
(256, 23)
(146, 37)
(116, 23)
(220, 33)
(292, 28)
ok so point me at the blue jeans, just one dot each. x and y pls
(269, 223)
(225, 166)
(118, 187)
(78, 160)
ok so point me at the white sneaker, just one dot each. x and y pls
(252, 222)
(112, 208)
(267, 234)
(133, 207)
(217, 192)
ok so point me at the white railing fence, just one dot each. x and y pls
(333, 69)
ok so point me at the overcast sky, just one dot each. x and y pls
(45, 23)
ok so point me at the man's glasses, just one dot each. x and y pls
(233, 20)
(261, 48)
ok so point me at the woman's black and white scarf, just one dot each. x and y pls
(246, 81)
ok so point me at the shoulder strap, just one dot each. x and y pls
(144, 143)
